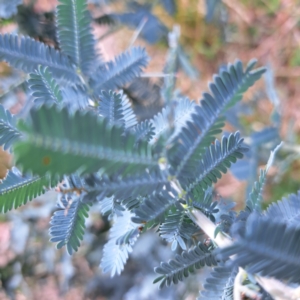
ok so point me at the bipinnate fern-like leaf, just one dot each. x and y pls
(110, 206)
(9, 134)
(128, 114)
(116, 108)
(44, 88)
(75, 97)
(110, 107)
(27, 54)
(179, 268)
(116, 251)
(235, 81)
(115, 74)
(203, 200)
(178, 229)
(256, 195)
(143, 131)
(267, 246)
(217, 159)
(17, 190)
(57, 142)
(219, 285)
(182, 112)
(193, 140)
(141, 184)
(154, 207)
(128, 237)
(132, 203)
(74, 33)
(68, 223)
(286, 210)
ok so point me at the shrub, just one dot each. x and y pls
(83, 135)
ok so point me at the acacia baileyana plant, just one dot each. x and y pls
(82, 134)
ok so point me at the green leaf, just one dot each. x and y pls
(125, 67)
(256, 196)
(117, 109)
(217, 159)
(178, 229)
(115, 253)
(286, 209)
(58, 142)
(43, 87)
(219, 285)
(17, 190)
(206, 122)
(74, 33)
(141, 184)
(143, 131)
(27, 54)
(266, 246)
(68, 223)
(8, 131)
(182, 109)
(179, 268)
(155, 207)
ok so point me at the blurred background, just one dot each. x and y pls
(210, 34)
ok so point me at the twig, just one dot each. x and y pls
(239, 288)
(277, 289)
(137, 31)
(209, 228)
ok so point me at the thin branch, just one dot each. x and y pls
(277, 289)
(137, 31)
(209, 228)
(240, 289)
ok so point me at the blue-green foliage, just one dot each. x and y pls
(27, 54)
(216, 160)
(287, 210)
(178, 229)
(116, 108)
(193, 140)
(63, 148)
(143, 174)
(115, 74)
(251, 248)
(17, 190)
(74, 33)
(144, 131)
(180, 267)
(43, 87)
(68, 223)
(115, 251)
(219, 285)
(154, 207)
(8, 131)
